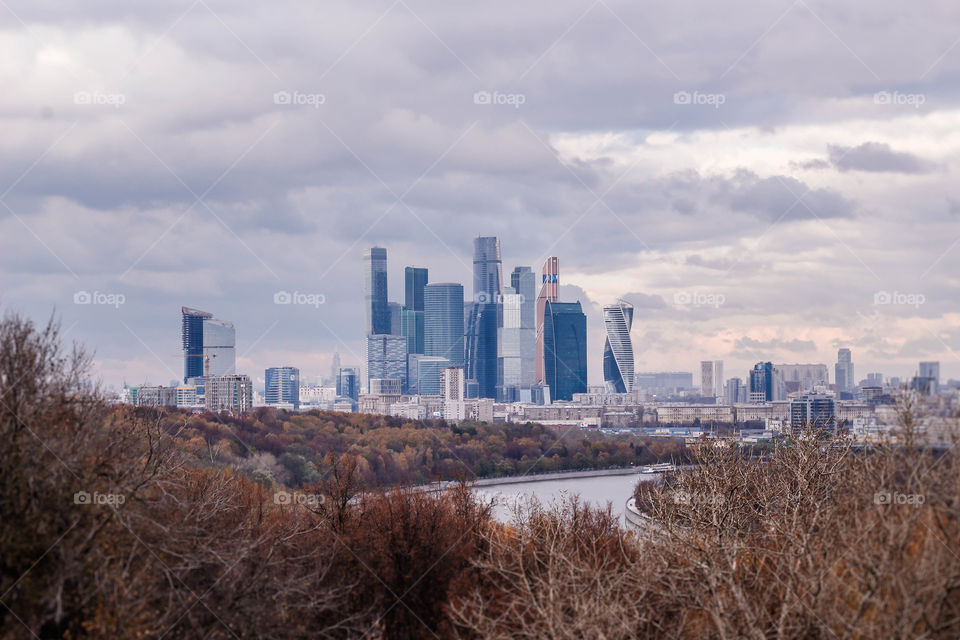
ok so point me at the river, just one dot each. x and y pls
(596, 490)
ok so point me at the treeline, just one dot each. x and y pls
(109, 528)
(273, 445)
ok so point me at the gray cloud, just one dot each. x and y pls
(876, 157)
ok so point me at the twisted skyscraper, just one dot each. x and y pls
(618, 349)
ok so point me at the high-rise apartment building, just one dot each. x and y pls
(443, 321)
(454, 406)
(565, 349)
(517, 341)
(706, 379)
(549, 291)
(282, 386)
(483, 319)
(376, 311)
(228, 393)
(844, 371)
(618, 348)
(718, 380)
(209, 344)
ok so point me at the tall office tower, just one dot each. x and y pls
(706, 379)
(386, 357)
(930, 370)
(191, 333)
(414, 281)
(335, 368)
(549, 288)
(209, 345)
(282, 386)
(425, 374)
(483, 319)
(443, 321)
(618, 348)
(517, 340)
(732, 391)
(396, 318)
(376, 311)
(844, 371)
(348, 383)
(718, 380)
(762, 382)
(565, 349)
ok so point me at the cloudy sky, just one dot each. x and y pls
(763, 180)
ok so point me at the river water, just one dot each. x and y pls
(596, 490)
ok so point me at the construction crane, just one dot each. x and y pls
(206, 360)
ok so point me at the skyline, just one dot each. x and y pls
(749, 205)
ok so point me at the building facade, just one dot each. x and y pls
(565, 349)
(443, 321)
(483, 320)
(386, 357)
(549, 290)
(517, 341)
(618, 375)
(232, 393)
(282, 386)
(376, 310)
(843, 371)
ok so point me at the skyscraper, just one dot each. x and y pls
(549, 288)
(844, 371)
(481, 344)
(396, 318)
(375, 308)
(335, 367)
(930, 370)
(443, 321)
(209, 344)
(414, 281)
(618, 348)
(517, 340)
(706, 379)
(282, 385)
(565, 349)
(348, 383)
(718, 380)
(762, 382)
(386, 357)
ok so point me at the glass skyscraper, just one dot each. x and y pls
(209, 345)
(443, 321)
(618, 348)
(518, 337)
(348, 383)
(565, 349)
(761, 382)
(282, 385)
(375, 308)
(481, 345)
(414, 280)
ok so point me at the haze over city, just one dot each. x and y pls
(762, 182)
